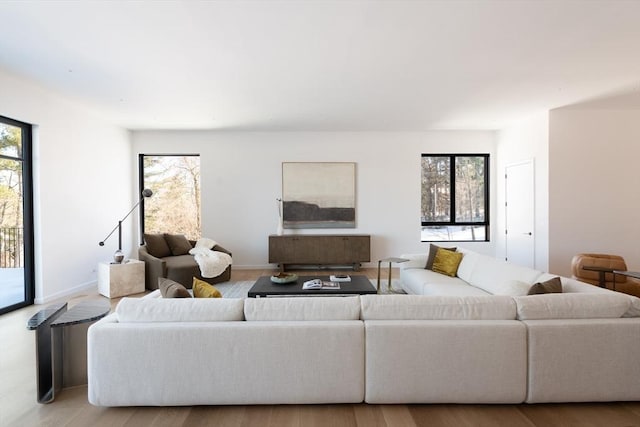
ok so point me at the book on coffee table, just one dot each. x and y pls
(340, 278)
(330, 285)
(320, 284)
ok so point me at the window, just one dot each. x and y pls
(455, 197)
(174, 206)
(16, 216)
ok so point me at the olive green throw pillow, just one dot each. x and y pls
(432, 255)
(202, 289)
(551, 286)
(447, 262)
(170, 289)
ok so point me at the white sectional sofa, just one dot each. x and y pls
(444, 350)
(171, 352)
(582, 345)
(464, 344)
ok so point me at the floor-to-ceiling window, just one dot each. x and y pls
(175, 205)
(16, 216)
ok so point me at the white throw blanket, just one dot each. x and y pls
(211, 263)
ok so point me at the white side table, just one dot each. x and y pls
(116, 280)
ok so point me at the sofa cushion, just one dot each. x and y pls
(490, 273)
(420, 281)
(576, 286)
(468, 263)
(202, 289)
(460, 289)
(432, 254)
(421, 307)
(179, 310)
(302, 308)
(513, 288)
(415, 261)
(170, 289)
(157, 245)
(634, 309)
(551, 286)
(572, 306)
(447, 262)
(178, 244)
(180, 262)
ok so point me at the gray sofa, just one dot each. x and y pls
(180, 268)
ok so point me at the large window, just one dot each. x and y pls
(16, 216)
(174, 206)
(455, 197)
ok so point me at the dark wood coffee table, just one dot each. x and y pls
(264, 287)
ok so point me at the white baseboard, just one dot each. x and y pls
(89, 286)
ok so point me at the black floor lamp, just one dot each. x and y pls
(118, 256)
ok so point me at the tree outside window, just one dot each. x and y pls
(458, 184)
(16, 216)
(11, 200)
(174, 207)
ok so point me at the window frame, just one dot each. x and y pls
(141, 157)
(28, 234)
(452, 197)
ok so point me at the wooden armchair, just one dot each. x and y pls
(623, 284)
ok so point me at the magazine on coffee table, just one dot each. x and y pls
(320, 284)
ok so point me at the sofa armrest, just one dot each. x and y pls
(219, 248)
(153, 267)
(415, 261)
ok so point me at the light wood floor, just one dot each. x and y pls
(18, 406)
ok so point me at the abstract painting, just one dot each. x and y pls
(319, 195)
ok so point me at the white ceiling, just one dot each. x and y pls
(325, 65)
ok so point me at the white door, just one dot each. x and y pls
(519, 214)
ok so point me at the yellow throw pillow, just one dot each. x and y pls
(202, 289)
(447, 262)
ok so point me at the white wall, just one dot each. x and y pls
(82, 184)
(241, 179)
(526, 140)
(593, 197)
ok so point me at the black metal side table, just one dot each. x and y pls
(390, 261)
(61, 345)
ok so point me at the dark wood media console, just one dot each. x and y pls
(337, 249)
